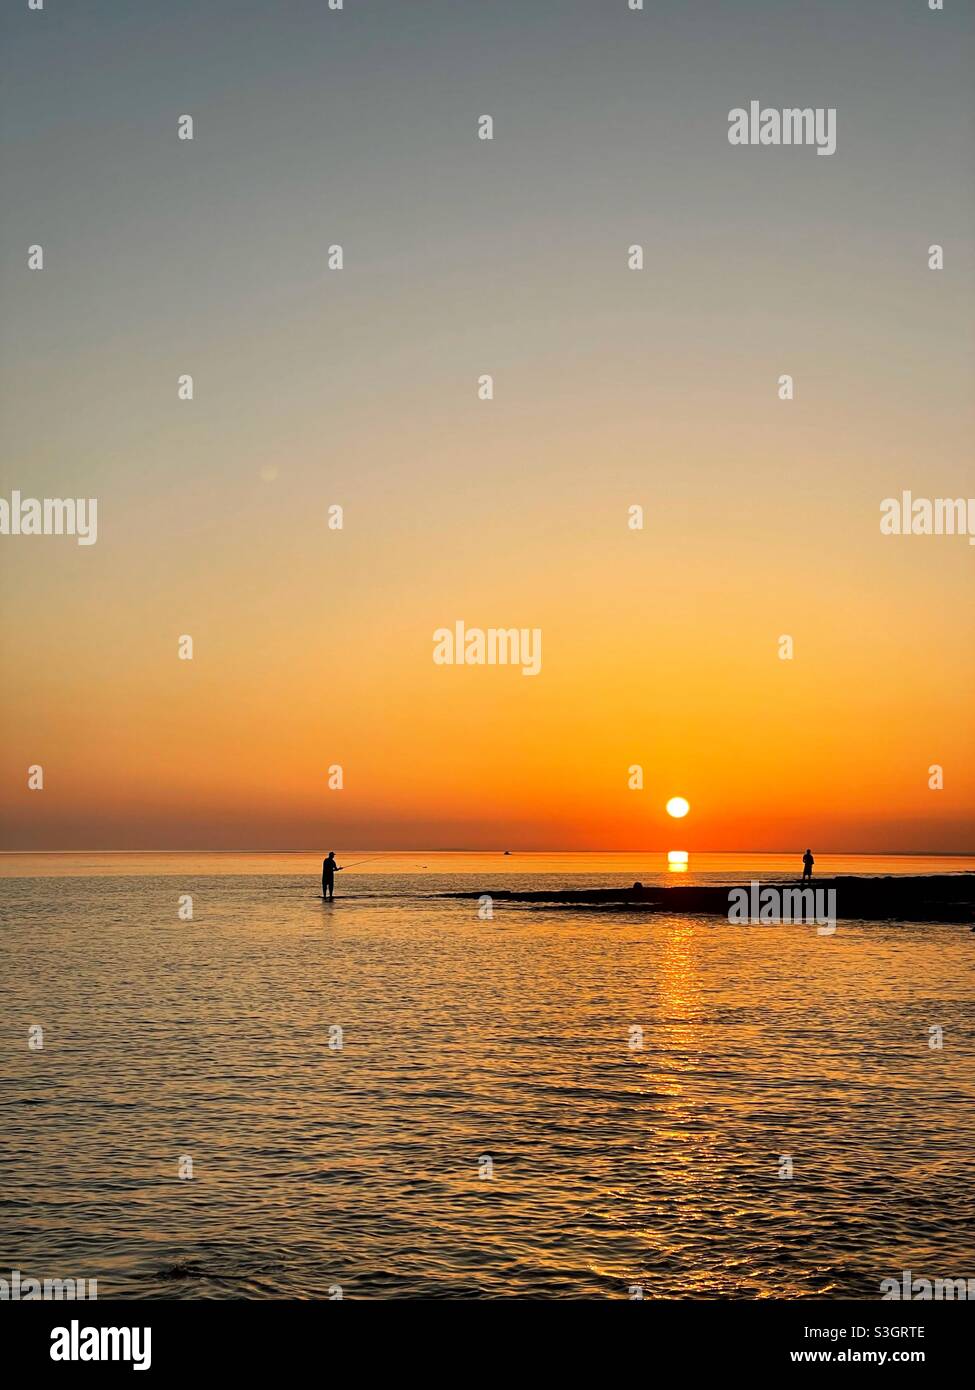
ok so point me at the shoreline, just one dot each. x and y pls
(892, 897)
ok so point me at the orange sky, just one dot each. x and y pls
(659, 648)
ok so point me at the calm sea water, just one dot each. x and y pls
(468, 1040)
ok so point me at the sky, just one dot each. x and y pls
(312, 647)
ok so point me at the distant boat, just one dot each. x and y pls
(507, 851)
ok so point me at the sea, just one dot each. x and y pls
(216, 1085)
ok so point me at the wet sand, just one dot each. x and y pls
(901, 897)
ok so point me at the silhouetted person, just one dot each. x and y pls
(329, 870)
(807, 862)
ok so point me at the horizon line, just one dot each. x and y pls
(914, 853)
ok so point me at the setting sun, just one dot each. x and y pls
(678, 807)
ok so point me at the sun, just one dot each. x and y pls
(678, 807)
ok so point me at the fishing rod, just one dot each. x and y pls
(369, 860)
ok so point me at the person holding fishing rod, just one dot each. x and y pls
(329, 870)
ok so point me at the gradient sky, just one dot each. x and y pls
(313, 647)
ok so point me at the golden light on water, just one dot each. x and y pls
(677, 856)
